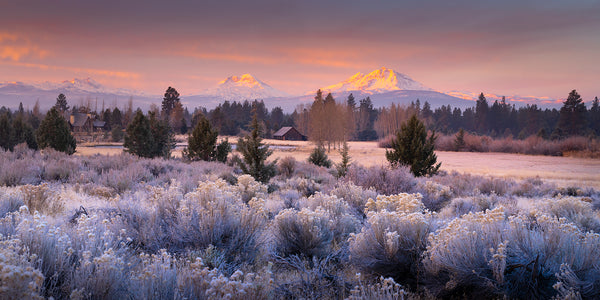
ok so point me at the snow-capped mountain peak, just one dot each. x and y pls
(245, 87)
(379, 81)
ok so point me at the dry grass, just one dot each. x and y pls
(563, 171)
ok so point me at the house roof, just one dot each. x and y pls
(79, 119)
(282, 131)
(98, 123)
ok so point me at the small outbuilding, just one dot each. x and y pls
(289, 133)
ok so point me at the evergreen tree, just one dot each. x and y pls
(481, 114)
(319, 157)
(572, 120)
(23, 133)
(411, 147)
(139, 139)
(164, 140)
(594, 116)
(54, 132)
(202, 143)
(61, 103)
(6, 133)
(116, 119)
(342, 167)
(170, 99)
(116, 134)
(459, 140)
(255, 154)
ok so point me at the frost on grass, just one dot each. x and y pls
(164, 229)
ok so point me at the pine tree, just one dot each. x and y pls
(481, 114)
(61, 103)
(170, 99)
(411, 147)
(572, 120)
(139, 139)
(54, 132)
(255, 154)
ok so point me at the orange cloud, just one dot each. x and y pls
(14, 47)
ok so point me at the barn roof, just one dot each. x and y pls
(79, 119)
(282, 131)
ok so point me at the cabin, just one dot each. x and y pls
(289, 133)
(86, 122)
(81, 122)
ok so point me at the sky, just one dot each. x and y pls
(524, 47)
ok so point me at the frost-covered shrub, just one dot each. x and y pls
(435, 195)
(354, 195)
(41, 198)
(403, 202)
(543, 250)
(249, 188)
(19, 171)
(381, 289)
(215, 215)
(391, 243)
(383, 179)
(61, 170)
(196, 281)
(18, 277)
(468, 254)
(304, 186)
(286, 166)
(343, 220)
(574, 210)
(318, 278)
(125, 179)
(305, 233)
(10, 201)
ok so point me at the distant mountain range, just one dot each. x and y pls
(384, 86)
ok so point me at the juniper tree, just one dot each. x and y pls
(202, 143)
(255, 154)
(459, 140)
(138, 137)
(164, 140)
(319, 157)
(54, 132)
(412, 148)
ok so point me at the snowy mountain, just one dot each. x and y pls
(78, 91)
(245, 87)
(379, 81)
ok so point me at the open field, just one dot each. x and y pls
(563, 171)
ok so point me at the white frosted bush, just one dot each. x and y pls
(402, 202)
(249, 188)
(18, 277)
(465, 249)
(305, 232)
(391, 243)
(355, 195)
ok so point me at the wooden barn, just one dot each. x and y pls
(289, 134)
